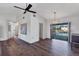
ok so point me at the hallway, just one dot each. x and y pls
(17, 47)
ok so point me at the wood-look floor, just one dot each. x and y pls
(17, 47)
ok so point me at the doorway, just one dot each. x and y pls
(12, 29)
(60, 31)
(40, 31)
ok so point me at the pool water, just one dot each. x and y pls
(60, 36)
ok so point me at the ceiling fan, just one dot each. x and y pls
(26, 9)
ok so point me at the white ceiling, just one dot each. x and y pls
(44, 9)
(62, 9)
(7, 9)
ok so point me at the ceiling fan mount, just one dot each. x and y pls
(27, 9)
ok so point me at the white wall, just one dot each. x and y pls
(4, 20)
(32, 29)
(27, 20)
(4, 28)
(48, 29)
(34, 33)
(43, 21)
(74, 24)
(11, 33)
(46, 26)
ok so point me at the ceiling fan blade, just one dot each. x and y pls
(29, 6)
(19, 7)
(31, 11)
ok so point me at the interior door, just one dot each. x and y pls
(40, 31)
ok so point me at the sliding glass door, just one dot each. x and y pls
(60, 31)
